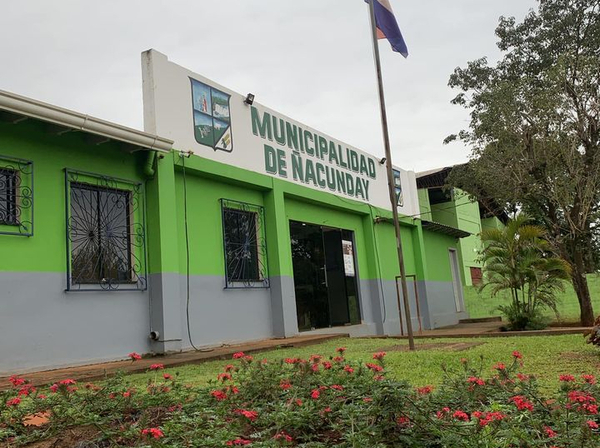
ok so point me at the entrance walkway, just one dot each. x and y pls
(100, 371)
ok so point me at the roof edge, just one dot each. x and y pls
(29, 107)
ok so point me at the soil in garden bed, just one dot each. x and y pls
(77, 437)
(446, 346)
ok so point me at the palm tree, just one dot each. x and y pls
(518, 258)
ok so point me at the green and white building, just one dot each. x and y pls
(453, 207)
(223, 222)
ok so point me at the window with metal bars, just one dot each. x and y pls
(244, 245)
(105, 235)
(8, 196)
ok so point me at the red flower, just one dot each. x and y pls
(250, 415)
(26, 389)
(67, 382)
(327, 410)
(234, 390)
(284, 436)
(499, 366)
(460, 415)
(315, 358)
(224, 376)
(566, 378)
(592, 424)
(238, 355)
(424, 390)
(367, 399)
(590, 379)
(248, 358)
(327, 365)
(485, 418)
(315, 367)
(315, 394)
(403, 420)
(16, 381)
(517, 355)
(475, 380)
(549, 432)
(285, 385)
(521, 403)
(54, 388)
(157, 367)
(441, 414)
(154, 432)
(229, 367)
(238, 442)
(591, 408)
(523, 377)
(340, 350)
(379, 355)
(13, 402)
(135, 356)
(374, 367)
(167, 376)
(576, 396)
(337, 387)
(348, 369)
(219, 395)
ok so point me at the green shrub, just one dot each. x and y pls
(314, 403)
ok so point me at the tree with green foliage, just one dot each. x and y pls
(535, 128)
(519, 259)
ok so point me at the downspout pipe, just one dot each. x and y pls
(149, 170)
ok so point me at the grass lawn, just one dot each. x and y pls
(545, 356)
(482, 305)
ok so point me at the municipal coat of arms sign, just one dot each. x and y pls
(212, 119)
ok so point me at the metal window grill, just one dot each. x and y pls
(16, 196)
(106, 238)
(244, 245)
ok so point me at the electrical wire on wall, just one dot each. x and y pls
(184, 156)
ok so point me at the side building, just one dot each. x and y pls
(453, 207)
(224, 222)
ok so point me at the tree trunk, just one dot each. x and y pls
(582, 290)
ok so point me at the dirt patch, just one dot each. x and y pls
(447, 346)
(78, 437)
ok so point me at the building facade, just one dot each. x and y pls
(236, 224)
(454, 207)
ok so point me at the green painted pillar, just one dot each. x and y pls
(283, 301)
(163, 257)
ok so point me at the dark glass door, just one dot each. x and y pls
(310, 281)
(326, 292)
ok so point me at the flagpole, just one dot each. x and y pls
(390, 179)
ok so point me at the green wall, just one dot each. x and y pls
(438, 259)
(51, 154)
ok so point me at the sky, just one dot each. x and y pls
(311, 60)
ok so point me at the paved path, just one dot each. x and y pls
(491, 329)
(99, 371)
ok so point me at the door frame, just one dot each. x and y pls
(457, 286)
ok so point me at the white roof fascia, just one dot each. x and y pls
(28, 107)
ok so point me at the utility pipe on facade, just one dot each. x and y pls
(390, 177)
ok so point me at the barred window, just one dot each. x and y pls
(244, 245)
(8, 196)
(106, 237)
(16, 196)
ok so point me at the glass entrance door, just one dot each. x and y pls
(324, 276)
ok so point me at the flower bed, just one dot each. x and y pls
(318, 402)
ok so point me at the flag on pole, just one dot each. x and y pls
(387, 26)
